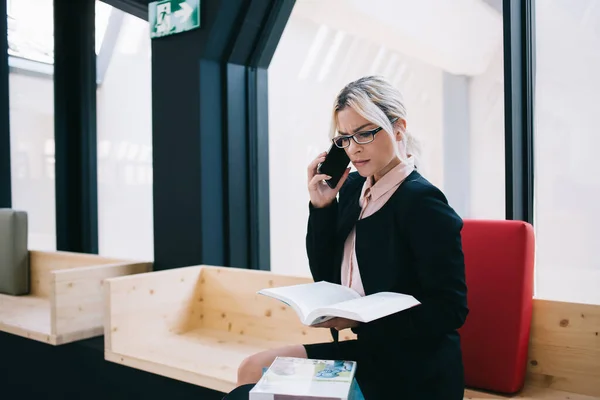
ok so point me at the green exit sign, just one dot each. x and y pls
(169, 17)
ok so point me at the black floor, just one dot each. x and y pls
(33, 370)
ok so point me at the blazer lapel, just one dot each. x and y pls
(347, 217)
(349, 213)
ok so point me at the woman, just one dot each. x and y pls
(390, 230)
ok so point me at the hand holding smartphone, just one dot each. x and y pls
(335, 164)
(330, 167)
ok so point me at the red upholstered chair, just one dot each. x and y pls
(499, 259)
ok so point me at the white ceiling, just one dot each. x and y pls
(459, 36)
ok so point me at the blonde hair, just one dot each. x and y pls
(377, 101)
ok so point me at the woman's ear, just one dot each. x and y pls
(400, 128)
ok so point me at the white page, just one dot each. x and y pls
(378, 305)
(310, 296)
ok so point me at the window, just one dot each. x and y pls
(449, 70)
(125, 216)
(30, 33)
(567, 188)
(31, 29)
(124, 126)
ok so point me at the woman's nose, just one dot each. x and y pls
(353, 147)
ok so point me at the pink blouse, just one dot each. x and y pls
(372, 198)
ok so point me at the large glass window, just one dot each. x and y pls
(30, 39)
(125, 219)
(449, 70)
(31, 30)
(567, 187)
(123, 131)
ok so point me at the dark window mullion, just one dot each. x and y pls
(519, 75)
(5, 174)
(75, 126)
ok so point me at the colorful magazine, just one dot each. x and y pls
(291, 378)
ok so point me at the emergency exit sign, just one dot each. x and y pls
(169, 17)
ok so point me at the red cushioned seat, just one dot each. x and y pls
(499, 260)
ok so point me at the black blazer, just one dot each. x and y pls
(411, 245)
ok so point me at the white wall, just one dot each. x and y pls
(487, 197)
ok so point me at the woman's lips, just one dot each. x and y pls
(360, 163)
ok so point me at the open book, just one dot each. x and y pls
(321, 301)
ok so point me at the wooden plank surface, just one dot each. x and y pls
(26, 316)
(204, 356)
(78, 298)
(148, 306)
(529, 393)
(43, 262)
(230, 302)
(66, 300)
(565, 347)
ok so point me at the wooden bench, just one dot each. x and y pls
(196, 324)
(65, 302)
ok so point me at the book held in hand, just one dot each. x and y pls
(290, 378)
(321, 301)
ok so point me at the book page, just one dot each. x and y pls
(310, 296)
(374, 306)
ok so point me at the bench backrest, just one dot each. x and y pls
(14, 260)
(229, 302)
(499, 260)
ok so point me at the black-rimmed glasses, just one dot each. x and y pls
(364, 137)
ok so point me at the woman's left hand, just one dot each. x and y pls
(338, 323)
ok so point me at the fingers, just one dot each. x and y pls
(338, 324)
(312, 167)
(327, 324)
(316, 180)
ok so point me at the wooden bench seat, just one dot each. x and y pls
(196, 324)
(65, 302)
(205, 357)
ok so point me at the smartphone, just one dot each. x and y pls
(335, 164)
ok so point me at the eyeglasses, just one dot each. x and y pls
(359, 137)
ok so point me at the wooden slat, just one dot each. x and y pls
(268, 329)
(65, 259)
(43, 262)
(528, 393)
(66, 299)
(559, 322)
(27, 316)
(197, 324)
(78, 298)
(202, 356)
(230, 302)
(148, 306)
(565, 347)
